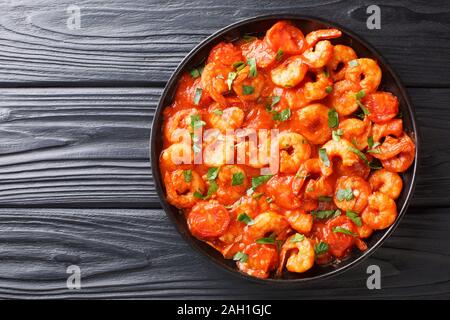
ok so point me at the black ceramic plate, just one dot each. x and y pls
(258, 26)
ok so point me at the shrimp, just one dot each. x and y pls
(279, 188)
(297, 255)
(322, 34)
(180, 120)
(214, 80)
(285, 37)
(352, 193)
(381, 211)
(296, 98)
(313, 123)
(393, 146)
(382, 106)
(356, 131)
(317, 90)
(264, 225)
(232, 182)
(342, 149)
(386, 182)
(360, 169)
(343, 97)
(366, 72)
(299, 220)
(177, 155)
(262, 259)
(225, 119)
(224, 53)
(248, 88)
(294, 149)
(316, 187)
(218, 148)
(339, 61)
(261, 51)
(364, 231)
(290, 73)
(318, 56)
(180, 192)
(402, 161)
(394, 127)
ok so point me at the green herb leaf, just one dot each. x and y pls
(333, 118)
(243, 217)
(195, 73)
(370, 142)
(212, 173)
(321, 248)
(239, 65)
(353, 63)
(198, 195)
(325, 199)
(344, 231)
(231, 77)
(196, 121)
(324, 157)
(253, 70)
(360, 94)
(326, 214)
(249, 38)
(344, 194)
(336, 134)
(237, 179)
(297, 237)
(198, 95)
(267, 240)
(187, 175)
(275, 100)
(246, 90)
(329, 89)
(363, 107)
(218, 112)
(354, 217)
(213, 186)
(259, 180)
(241, 257)
(197, 148)
(361, 155)
(279, 55)
(283, 115)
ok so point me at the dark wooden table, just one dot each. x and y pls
(76, 106)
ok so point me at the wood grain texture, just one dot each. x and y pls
(85, 147)
(141, 42)
(137, 253)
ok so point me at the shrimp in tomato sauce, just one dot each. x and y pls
(282, 152)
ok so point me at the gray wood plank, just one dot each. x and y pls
(137, 253)
(141, 42)
(88, 147)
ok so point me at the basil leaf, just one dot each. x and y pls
(198, 95)
(253, 70)
(212, 173)
(320, 248)
(324, 157)
(187, 175)
(344, 194)
(361, 155)
(246, 90)
(297, 238)
(237, 179)
(283, 115)
(231, 77)
(275, 100)
(239, 65)
(241, 257)
(259, 180)
(344, 231)
(279, 55)
(333, 118)
(354, 217)
(326, 214)
(370, 142)
(243, 217)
